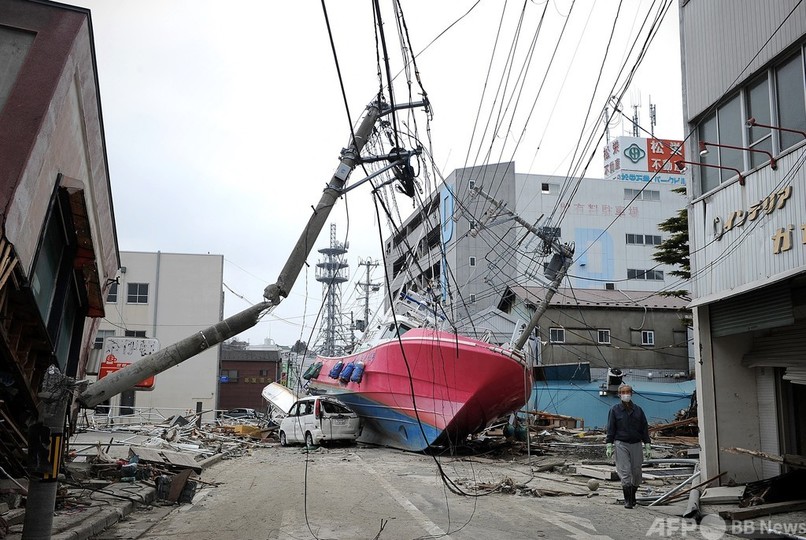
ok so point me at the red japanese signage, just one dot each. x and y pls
(111, 365)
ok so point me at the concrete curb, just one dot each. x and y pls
(105, 517)
(83, 526)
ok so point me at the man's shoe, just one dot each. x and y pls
(628, 502)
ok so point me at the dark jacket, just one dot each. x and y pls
(627, 424)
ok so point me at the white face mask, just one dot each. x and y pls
(626, 398)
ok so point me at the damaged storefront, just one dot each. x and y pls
(745, 113)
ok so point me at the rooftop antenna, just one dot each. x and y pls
(652, 118)
(636, 104)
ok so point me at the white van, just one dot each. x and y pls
(319, 419)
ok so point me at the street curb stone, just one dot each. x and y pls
(83, 526)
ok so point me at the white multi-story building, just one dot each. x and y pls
(168, 296)
(744, 95)
(472, 253)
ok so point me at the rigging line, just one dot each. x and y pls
(500, 89)
(590, 102)
(590, 143)
(543, 82)
(526, 66)
(486, 82)
(562, 85)
(496, 107)
(650, 36)
(338, 70)
(380, 31)
(645, 47)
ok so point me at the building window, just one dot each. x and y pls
(135, 333)
(648, 275)
(112, 295)
(264, 373)
(727, 124)
(789, 97)
(472, 298)
(100, 336)
(709, 177)
(544, 188)
(647, 337)
(472, 261)
(603, 336)
(557, 335)
(641, 194)
(643, 239)
(137, 293)
(228, 376)
(758, 107)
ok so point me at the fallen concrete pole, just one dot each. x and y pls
(170, 356)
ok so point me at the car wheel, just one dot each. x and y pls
(283, 440)
(308, 439)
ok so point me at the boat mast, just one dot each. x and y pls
(557, 269)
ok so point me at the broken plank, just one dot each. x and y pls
(165, 457)
(601, 473)
(763, 510)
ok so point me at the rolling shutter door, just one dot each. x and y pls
(782, 348)
(770, 307)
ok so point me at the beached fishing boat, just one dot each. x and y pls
(416, 385)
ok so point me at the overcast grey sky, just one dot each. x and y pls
(224, 120)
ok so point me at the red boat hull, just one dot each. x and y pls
(430, 388)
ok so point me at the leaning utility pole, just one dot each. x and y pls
(172, 355)
(556, 271)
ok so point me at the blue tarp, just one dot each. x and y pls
(660, 401)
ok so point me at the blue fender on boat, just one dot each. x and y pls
(346, 372)
(336, 370)
(358, 373)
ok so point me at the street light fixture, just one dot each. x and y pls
(704, 151)
(680, 164)
(751, 122)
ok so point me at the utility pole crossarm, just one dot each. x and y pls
(564, 251)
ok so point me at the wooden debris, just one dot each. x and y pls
(686, 422)
(547, 419)
(165, 457)
(723, 495)
(599, 472)
(763, 510)
(788, 459)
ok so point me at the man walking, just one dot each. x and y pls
(627, 429)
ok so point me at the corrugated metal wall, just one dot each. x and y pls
(739, 26)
